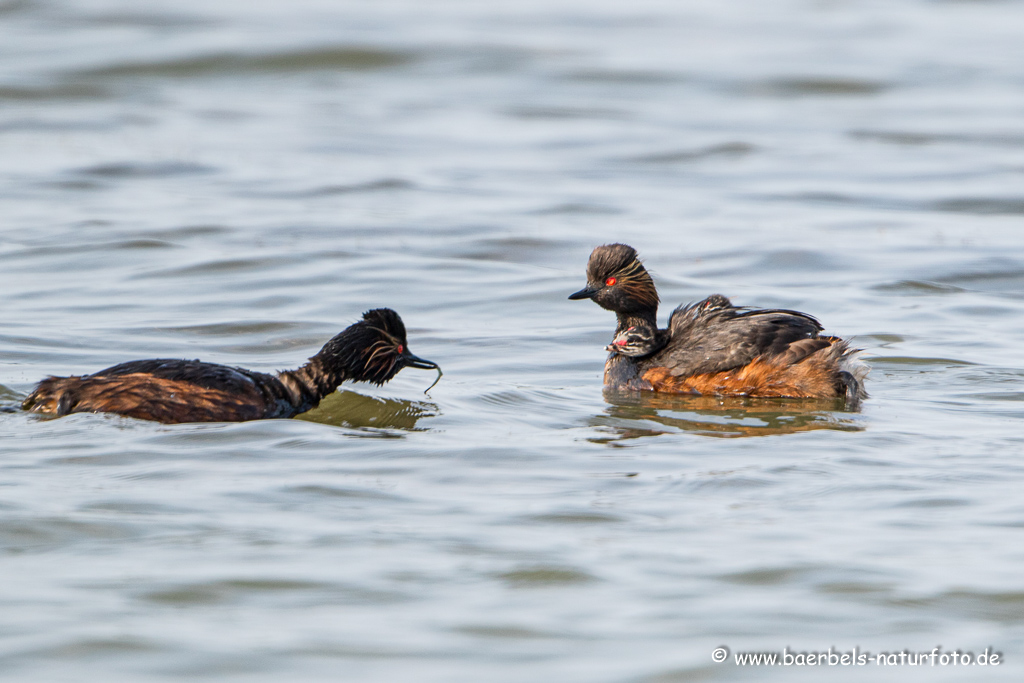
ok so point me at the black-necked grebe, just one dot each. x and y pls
(171, 391)
(713, 347)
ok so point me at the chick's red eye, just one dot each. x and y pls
(400, 348)
(610, 281)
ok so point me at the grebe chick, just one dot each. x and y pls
(638, 340)
(712, 346)
(172, 391)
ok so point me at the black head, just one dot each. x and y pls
(616, 280)
(373, 349)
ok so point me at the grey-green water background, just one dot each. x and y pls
(238, 181)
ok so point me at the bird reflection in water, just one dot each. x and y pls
(358, 411)
(634, 415)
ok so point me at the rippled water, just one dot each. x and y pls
(239, 181)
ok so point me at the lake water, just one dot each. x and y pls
(240, 181)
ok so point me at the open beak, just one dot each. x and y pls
(423, 364)
(587, 292)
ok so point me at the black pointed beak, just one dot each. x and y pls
(412, 361)
(587, 292)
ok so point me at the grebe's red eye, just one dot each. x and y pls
(610, 281)
(400, 348)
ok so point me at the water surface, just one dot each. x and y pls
(240, 181)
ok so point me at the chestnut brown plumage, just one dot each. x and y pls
(166, 390)
(712, 346)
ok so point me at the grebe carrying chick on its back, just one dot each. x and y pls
(712, 347)
(173, 391)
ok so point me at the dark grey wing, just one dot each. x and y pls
(713, 335)
(205, 375)
(686, 316)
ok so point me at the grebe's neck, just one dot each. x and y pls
(621, 373)
(643, 319)
(309, 384)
